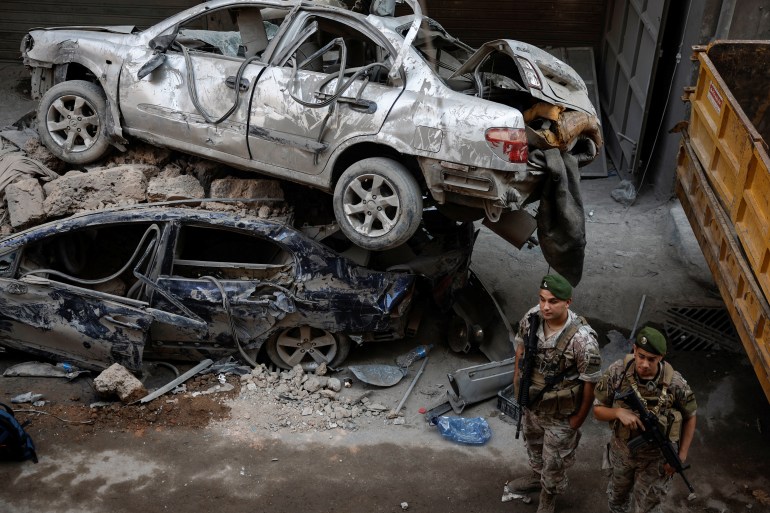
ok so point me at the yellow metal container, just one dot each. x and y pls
(732, 272)
(729, 127)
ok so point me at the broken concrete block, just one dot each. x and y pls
(334, 384)
(141, 153)
(246, 188)
(75, 191)
(169, 188)
(312, 384)
(207, 171)
(25, 202)
(117, 380)
(37, 151)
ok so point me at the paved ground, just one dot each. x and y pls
(237, 464)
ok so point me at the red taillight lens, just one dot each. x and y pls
(510, 144)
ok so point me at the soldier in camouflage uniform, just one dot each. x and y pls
(666, 394)
(567, 365)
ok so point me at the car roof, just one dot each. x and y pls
(146, 212)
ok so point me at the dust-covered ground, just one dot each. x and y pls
(270, 448)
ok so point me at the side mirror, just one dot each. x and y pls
(155, 61)
(160, 45)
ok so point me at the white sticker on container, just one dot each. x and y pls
(715, 98)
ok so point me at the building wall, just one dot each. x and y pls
(540, 22)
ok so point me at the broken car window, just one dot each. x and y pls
(442, 51)
(342, 48)
(226, 254)
(236, 32)
(101, 259)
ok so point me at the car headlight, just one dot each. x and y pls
(27, 43)
(529, 73)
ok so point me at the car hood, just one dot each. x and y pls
(115, 29)
(559, 83)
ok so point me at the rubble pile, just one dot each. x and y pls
(143, 174)
(300, 402)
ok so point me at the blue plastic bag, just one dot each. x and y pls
(474, 431)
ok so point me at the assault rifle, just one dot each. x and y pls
(652, 435)
(526, 367)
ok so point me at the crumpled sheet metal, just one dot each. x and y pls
(378, 374)
(562, 128)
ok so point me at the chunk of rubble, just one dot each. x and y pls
(170, 188)
(25, 203)
(94, 190)
(117, 380)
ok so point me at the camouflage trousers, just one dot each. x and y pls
(641, 475)
(551, 445)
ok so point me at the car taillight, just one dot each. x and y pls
(510, 144)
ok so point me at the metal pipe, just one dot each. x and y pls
(638, 315)
(394, 413)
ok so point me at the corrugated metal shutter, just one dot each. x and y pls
(18, 16)
(629, 60)
(538, 22)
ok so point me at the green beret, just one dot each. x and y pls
(652, 341)
(557, 286)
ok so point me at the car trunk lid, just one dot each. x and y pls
(543, 75)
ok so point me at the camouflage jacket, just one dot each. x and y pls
(677, 405)
(582, 350)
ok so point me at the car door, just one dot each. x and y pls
(76, 291)
(70, 323)
(239, 282)
(191, 101)
(326, 85)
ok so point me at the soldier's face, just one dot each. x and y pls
(553, 308)
(646, 363)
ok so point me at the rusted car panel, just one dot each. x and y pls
(370, 108)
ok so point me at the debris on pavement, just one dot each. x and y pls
(465, 430)
(181, 379)
(41, 370)
(29, 397)
(405, 506)
(117, 380)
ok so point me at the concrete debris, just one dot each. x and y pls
(169, 188)
(405, 506)
(303, 402)
(25, 203)
(29, 397)
(116, 380)
(95, 190)
(216, 389)
(141, 153)
(37, 151)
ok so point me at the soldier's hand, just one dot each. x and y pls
(629, 419)
(669, 469)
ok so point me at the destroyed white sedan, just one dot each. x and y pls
(390, 114)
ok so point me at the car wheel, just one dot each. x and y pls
(71, 120)
(378, 203)
(307, 346)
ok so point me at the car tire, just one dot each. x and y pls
(378, 203)
(71, 120)
(307, 346)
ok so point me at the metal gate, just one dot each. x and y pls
(629, 58)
